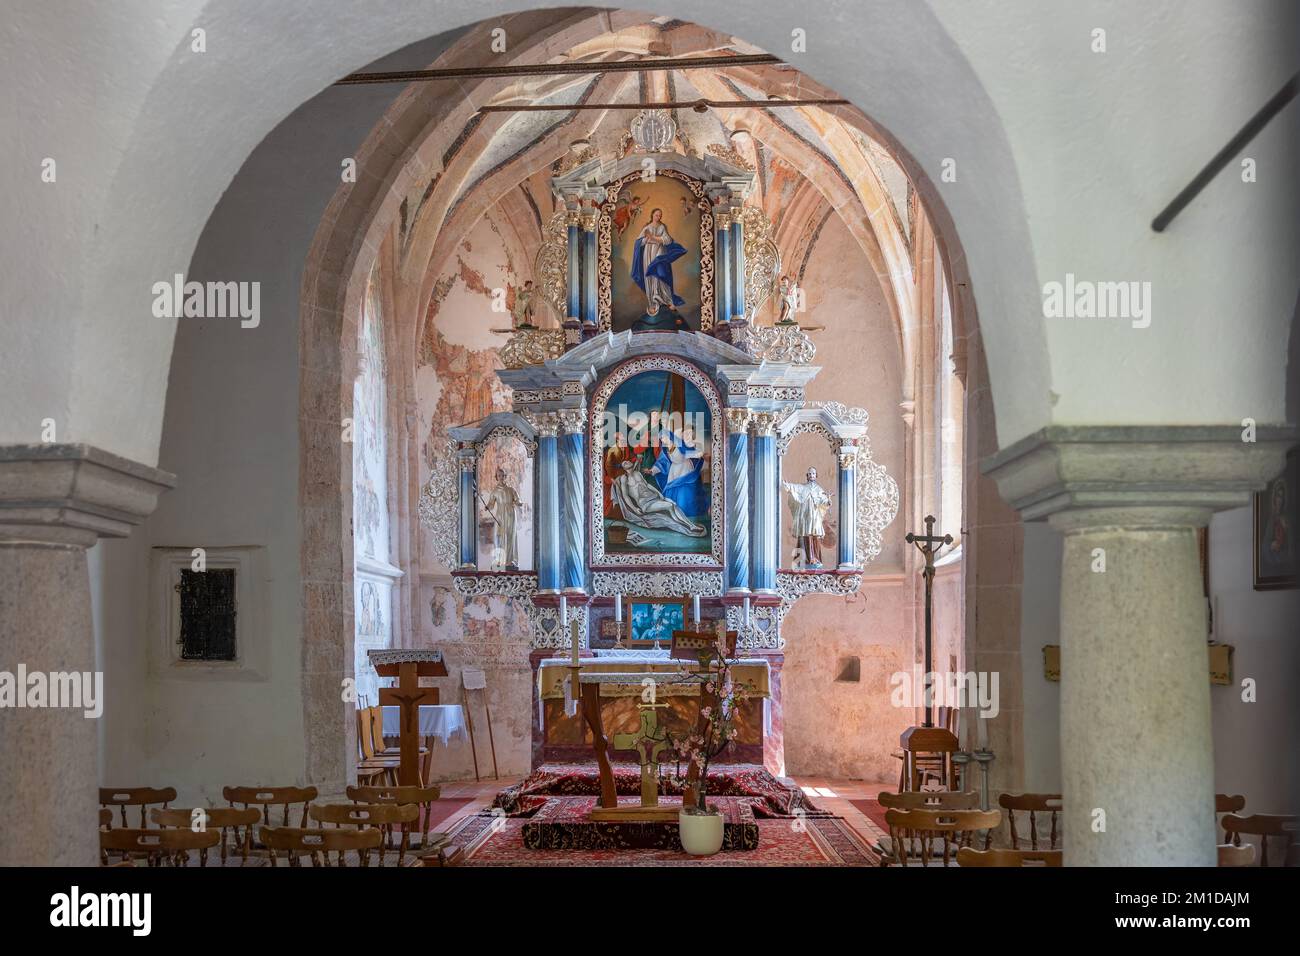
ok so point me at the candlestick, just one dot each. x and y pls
(695, 608)
(564, 610)
(746, 612)
(618, 608)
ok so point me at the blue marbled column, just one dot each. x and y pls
(737, 500)
(765, 503)
(574, 486)
(722, 273)
(574, 276)
(548, 510)
(589, 275)
(737, 270)
(848, 538)
(468, 511)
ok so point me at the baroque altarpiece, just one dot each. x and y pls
(655, 416)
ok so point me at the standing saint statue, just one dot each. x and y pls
(789, 294)
(523, 310)
(503, 505)
(809, 503)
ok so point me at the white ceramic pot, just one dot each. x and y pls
(701, 833)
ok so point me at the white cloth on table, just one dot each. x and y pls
(443, 721)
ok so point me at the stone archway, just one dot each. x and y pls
(342, 254)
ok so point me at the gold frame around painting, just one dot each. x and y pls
(605, 269)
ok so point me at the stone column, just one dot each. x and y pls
(55, 502)
(468, 458)
(547, 514)
(1136, 748)
(738, 503)
(765, 503)
(573, 471)
(848, 508)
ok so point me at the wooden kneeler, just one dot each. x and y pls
(473, 678)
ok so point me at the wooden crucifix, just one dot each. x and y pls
(928, 544)
(649, 742)
(408, 666)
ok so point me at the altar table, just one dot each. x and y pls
(444, 721)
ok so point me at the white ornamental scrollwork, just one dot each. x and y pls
(511, 585)
(762, 259)
(849, 415)
(552, 264)
(778, 343)
(791, 587)
(764, 628)
(549, 632)
(439, 505)
(532, 347)
(507, 431)
(656, 583)
(877, 495)
(805, 428)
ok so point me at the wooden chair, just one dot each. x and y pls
(1033, 804)
(918, 800)
(141, 797)
(369, 766)
(956, 828)
(156, 846)
(422, 797)
(1225, 803)
(297, 842)
(1262, 825)
(927, 754)
(929, 765)
(1233, 855)
(380, 816)
(286, 798)
(966, 856)
(220, 819)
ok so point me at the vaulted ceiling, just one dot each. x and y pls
(811, 161)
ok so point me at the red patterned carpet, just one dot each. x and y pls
(873, 811)
(774, 798)
(797, 841)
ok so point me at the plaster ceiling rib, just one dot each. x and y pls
(700, 105)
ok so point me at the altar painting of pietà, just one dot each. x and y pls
(656, 468)
(655, 256)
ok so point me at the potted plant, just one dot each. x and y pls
(699, 825)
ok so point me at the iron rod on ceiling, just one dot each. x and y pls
(1221, 158)
(562, 69)
(698, 105)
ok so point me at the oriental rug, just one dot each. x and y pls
(775, 797)
(497, 840)
(563, 824)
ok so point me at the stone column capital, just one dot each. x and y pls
(764, 423)
(572, 420)
(546, 424)
(1088, 476)
(737, 420)
(74, 494)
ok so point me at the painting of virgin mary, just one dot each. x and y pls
(656, 268)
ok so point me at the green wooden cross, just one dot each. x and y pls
(649, 742)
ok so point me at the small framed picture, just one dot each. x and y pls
(655, 620)
(1276, 565)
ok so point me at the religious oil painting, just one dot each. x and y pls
(656, 468)
(655, 251)
(651, 621)
(1277, 563)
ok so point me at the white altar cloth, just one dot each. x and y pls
(443, 721)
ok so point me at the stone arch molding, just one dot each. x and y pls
(187, 123)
